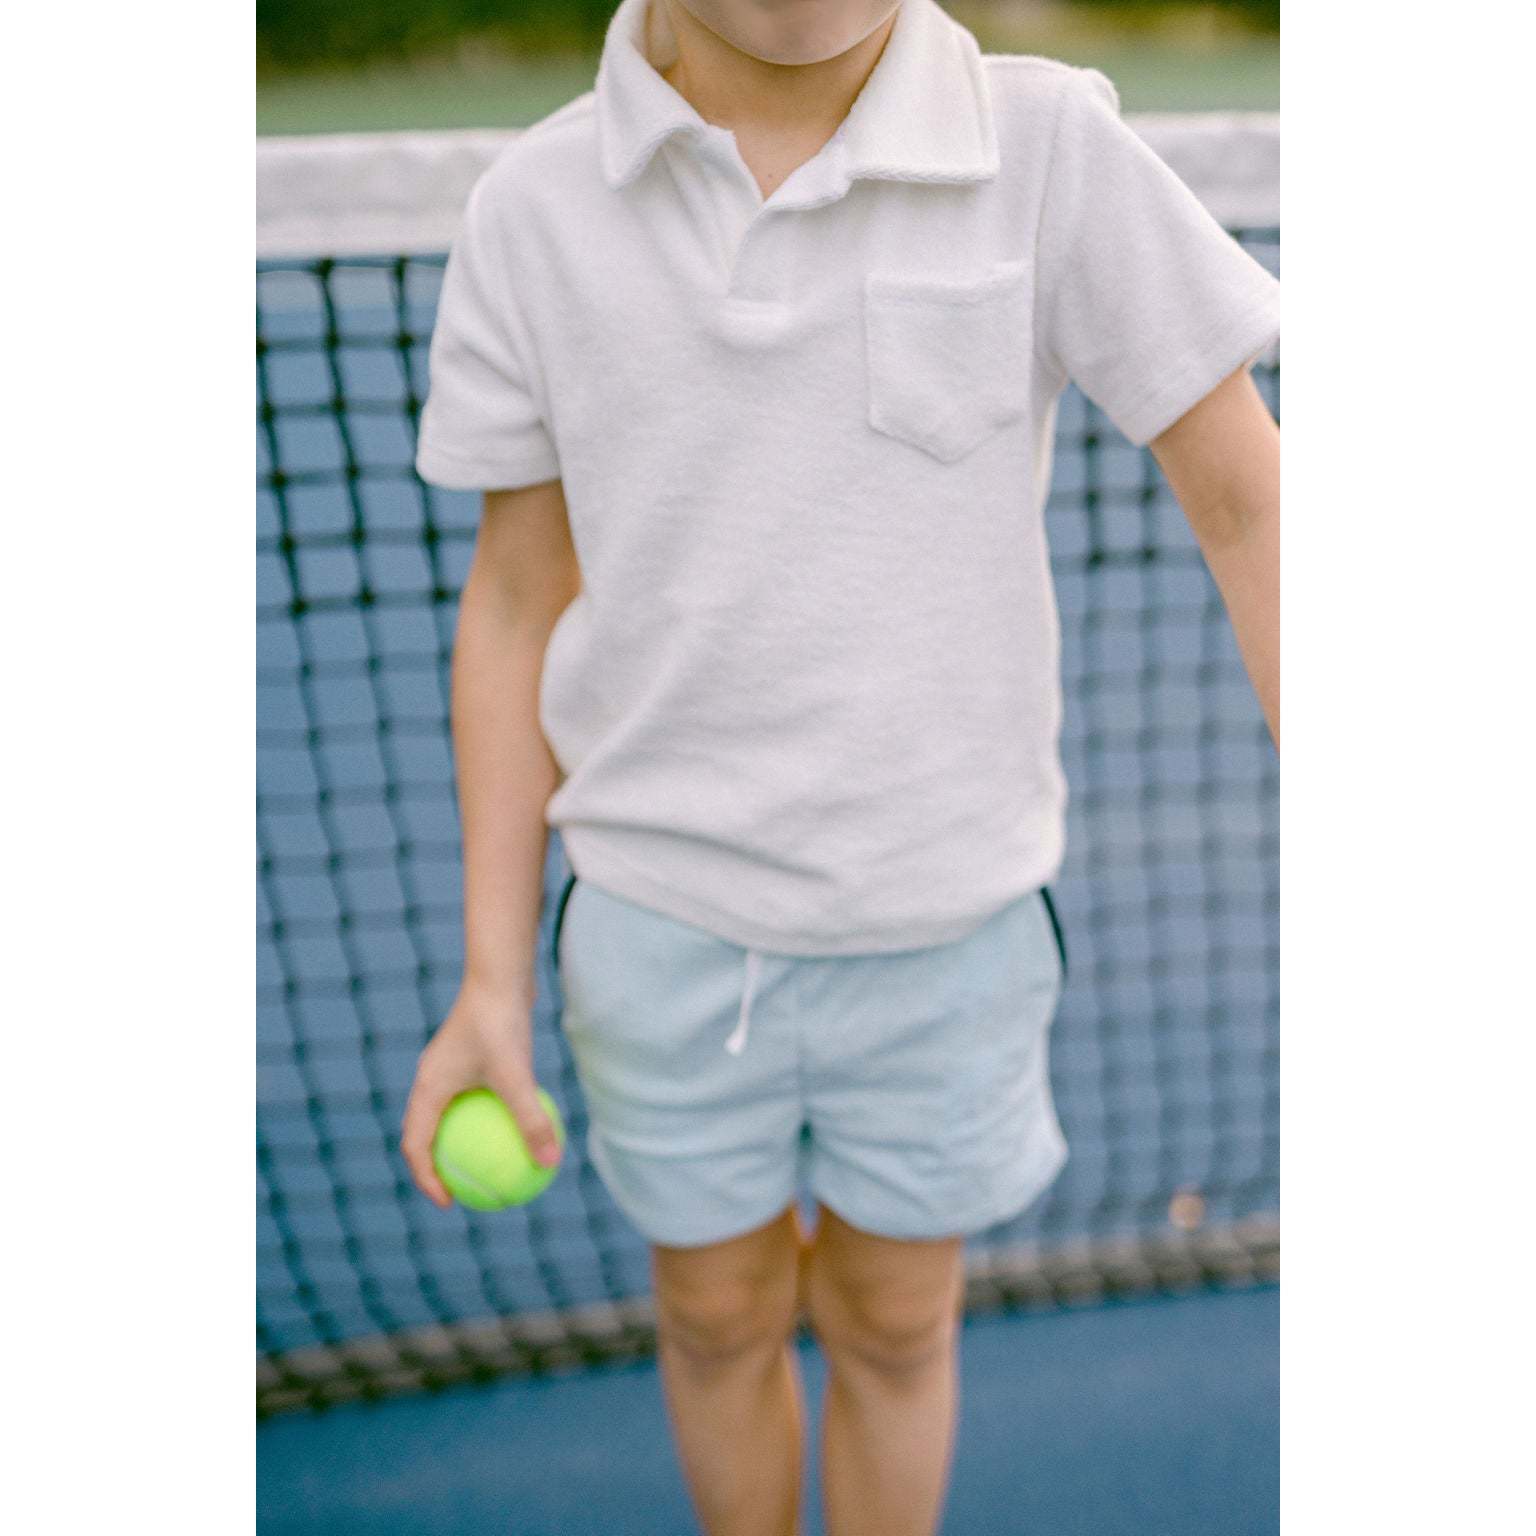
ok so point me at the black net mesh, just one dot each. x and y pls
(1165, 1050)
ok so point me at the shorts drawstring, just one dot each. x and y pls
(737, 1042)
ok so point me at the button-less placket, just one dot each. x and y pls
(718, 193)
(756, 234)
(761, 270)
(751, 273)
(757, 268)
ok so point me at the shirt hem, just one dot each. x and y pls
(603, 869)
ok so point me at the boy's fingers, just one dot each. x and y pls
(519, 1093)
(422, 1112)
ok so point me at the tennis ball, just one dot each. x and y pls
(481, 1156)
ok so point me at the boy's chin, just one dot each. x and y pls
(791, 32)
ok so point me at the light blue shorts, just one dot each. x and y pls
(909, 1091)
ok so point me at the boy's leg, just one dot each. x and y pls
(725, 1317)
(885, 1313)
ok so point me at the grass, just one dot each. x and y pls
(1162, 59)
(482, 91)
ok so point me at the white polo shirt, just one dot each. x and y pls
(809, 696)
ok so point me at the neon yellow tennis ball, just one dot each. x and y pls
(481, 1156)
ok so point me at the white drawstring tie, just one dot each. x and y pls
(737, 1042)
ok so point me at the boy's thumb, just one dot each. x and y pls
(519, 1093)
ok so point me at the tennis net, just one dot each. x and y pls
(1165, 1050)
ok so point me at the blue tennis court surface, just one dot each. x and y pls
(1157, 1417)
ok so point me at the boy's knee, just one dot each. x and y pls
(729, 1323)
(727, 1320)
(886, 1337)
(892, 1329)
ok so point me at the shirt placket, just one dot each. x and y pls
(749, 231)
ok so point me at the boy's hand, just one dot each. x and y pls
(486, 1041)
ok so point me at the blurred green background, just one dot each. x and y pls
(333, 65)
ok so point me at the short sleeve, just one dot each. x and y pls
(482, 427)
(1142, 298)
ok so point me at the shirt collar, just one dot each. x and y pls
(924, 114)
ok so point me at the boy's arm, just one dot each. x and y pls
(523, 576)
(1222, 459)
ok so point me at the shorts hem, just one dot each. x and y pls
(1023, 1197)
(683, 1234)
(980, 1219)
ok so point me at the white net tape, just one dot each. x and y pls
(401, 194)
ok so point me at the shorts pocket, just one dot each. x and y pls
(1002, 1066)
(1056, 929)
(649, 992)
(948, 361)
(557, 925)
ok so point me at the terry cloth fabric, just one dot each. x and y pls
(809, 696)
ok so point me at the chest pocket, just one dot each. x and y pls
(948, 362)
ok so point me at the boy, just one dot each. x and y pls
(755, 350)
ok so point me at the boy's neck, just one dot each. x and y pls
(734, 90)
